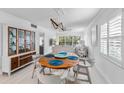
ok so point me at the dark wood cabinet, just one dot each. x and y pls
(20, 61)
(14, 63)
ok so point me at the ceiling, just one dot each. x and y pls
(74, 18)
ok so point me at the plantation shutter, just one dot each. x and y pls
(115, 38)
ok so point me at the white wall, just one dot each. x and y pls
(110, 72)
(49, 35)
(0, 45)
(71, 33)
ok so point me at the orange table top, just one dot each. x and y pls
(67, 63)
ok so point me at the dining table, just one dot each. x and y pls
(67, 62)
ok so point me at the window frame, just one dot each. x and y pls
(108, 57)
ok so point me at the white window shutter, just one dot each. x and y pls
(115, 38)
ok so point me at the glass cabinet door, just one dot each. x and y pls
(12, 41)
(33, 40)
(21, 43)
(28, 41)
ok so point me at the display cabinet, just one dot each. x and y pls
(21, 47)
(12, 41)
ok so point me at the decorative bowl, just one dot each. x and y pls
(60, 55)
(56, 62)
(72, 57)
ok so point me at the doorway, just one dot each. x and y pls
(41, 45)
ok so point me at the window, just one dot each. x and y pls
(115, 38)
(76, 39)
(61, 40)
(69, 40)
(110, 38)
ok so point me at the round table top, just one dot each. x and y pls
(44, 61)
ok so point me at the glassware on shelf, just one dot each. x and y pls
(12, 39)
(33, 40)
(21, 42)
(28, 41)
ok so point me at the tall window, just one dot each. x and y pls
(110, 38)
(115, 38)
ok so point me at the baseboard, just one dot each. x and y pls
(108, 81)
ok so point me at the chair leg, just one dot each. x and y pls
(88, 76)
(38, 81)
(76, 76)
(33, 72)
(50, 70)
(66, 81)
(42, 70)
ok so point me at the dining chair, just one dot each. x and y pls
(83, 69)
(35, 58)
(50, 78)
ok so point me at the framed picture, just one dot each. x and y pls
(94, 35)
